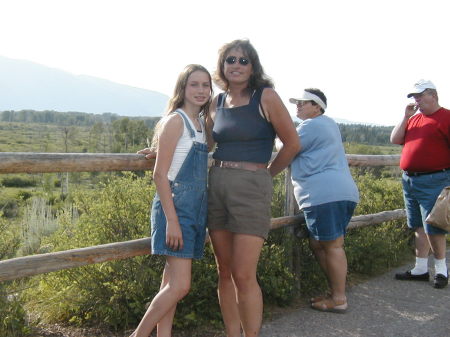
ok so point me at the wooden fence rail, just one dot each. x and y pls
(30, 162)
(23, 162)
(44, 263)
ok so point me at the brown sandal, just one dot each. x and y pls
(319, 298)
(330, 305)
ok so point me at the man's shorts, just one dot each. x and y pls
(327, 222)
(420, 194)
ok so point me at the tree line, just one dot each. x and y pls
(109, 128)
(67, 118)
(365, 134)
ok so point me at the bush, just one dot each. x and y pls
(13, 322)
(12, 314)
(374, 249)
(114, 294)
(19, 181)
(369, 250)
(9, 207)
(24, 195)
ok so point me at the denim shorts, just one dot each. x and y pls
(190, 205)
(420, 194)
(327, 222)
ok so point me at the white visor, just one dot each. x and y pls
(307, 96)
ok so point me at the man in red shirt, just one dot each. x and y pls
(425, 161)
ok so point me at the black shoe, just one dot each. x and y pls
(440, 281)
(407, 276)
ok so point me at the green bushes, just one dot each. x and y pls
(12, 314)
(13, 321)
(114, 293)
(19, 181)
(369, 250)
(376, 248)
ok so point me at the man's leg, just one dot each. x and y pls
(438, 246)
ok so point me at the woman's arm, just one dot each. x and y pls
(171, 132)
(284, 127)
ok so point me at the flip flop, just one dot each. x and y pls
(330, 305)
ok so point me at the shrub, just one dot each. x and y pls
(12, 314)
(376, 248)
(19, 181)
(24, 195)
(38, 221)
(13, 322)
(9, 207)
(369, 250)
(114, 293)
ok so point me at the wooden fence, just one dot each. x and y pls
(24, 162)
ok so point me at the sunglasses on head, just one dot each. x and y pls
(242, 60)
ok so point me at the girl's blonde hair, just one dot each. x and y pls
(177, 99)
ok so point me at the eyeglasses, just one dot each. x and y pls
(302, 103)
(232, 60)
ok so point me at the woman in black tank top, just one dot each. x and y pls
(243, 123)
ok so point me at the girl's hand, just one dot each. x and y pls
(149, 152)
(174, 236)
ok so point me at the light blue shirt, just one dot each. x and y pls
(320, 172)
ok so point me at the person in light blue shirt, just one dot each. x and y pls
(325, 191)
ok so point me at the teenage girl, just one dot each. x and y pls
(178, 217)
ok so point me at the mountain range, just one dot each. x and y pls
(28, 85)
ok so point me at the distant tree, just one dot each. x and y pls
(69, 135)
(365, 134)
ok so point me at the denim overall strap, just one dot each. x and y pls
(186, 122)
(195, 165)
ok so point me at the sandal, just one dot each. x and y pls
(319, 298)
(330, 305)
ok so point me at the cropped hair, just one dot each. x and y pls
(433, 92)
(258, 78)
(320, 94)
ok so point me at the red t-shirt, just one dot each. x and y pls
(427, 142)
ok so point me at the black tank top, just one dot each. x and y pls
(241, 133)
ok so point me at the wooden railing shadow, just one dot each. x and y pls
(24, 162)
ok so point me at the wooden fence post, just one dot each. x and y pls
(291, 209)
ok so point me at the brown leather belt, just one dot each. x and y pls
(243, 165)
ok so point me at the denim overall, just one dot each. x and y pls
(189, 192)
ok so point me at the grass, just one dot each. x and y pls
(37, 137)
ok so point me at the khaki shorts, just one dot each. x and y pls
(239, 201)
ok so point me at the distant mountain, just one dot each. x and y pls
(27, 85)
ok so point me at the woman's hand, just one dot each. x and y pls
(174, 236)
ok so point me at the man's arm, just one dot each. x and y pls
(398, 133)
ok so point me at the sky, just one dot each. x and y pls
(365, 55)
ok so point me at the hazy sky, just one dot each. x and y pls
(365, 55)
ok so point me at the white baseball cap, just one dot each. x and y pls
(420, 86)
(308, 96)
